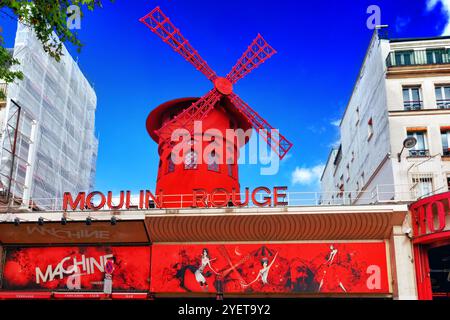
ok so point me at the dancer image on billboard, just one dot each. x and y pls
(206, 262)
(331, 269)
(264, 272)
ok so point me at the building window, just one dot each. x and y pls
(170, 164)
(421, 148)
(357, 116)
(370, 129)
(445, 135)
(213, 164)
(422, 185)
(404, 58)
(190, 160)
(443, 97)
(435, 56)
(412, 98)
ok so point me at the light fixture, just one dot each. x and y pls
(16, 222)
(408, 143)
(40, 221)
(113, 220)
(63, 221)
(88, 221)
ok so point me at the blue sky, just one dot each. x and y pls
(302, 90)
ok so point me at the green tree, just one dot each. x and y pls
(49, 19)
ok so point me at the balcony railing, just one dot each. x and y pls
(418, 57)
(412, 105)
(419, 153)
(443, 104)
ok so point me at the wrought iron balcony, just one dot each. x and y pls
(443, 104)
(412, 105)
(418, 57)
(419, 153)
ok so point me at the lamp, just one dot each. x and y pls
(408, 143)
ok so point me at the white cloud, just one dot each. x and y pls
(336, 123)
(445, 7)
(307, 176)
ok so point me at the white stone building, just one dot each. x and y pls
(56, 148)
(403, 90)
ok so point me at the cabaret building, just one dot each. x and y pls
(283, 251)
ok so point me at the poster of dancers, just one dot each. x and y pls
(271, 268)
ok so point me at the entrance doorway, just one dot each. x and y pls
(439, 264)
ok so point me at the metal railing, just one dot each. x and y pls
(418, 57)
(379, 195)
(443, 104)
(412, 105)
(419, 153)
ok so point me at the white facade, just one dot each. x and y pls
(56, 146)
(401, 91)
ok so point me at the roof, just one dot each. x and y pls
(419, 39)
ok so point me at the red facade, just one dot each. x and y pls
(194, 171)
(430, 224)
(244, 269)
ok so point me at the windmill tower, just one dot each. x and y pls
(219, 109)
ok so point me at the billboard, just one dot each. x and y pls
(76, 268)
(272, 268)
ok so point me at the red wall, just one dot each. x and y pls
(183, 181)
(132, 268)
(294, 268)
(298, 268)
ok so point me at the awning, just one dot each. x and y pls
(73, 233)
(368, 222)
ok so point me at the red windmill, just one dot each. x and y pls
(220, 109)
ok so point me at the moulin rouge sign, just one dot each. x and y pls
(218, 198)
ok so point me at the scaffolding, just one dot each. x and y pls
(56, 145)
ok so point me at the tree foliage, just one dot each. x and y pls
(49, 19)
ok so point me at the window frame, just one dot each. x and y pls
(409, 105)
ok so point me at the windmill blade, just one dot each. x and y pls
(160, 24)
(277, 141)
(256, 54)
(196, 112)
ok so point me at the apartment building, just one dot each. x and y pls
(402, 91)
(53, 111)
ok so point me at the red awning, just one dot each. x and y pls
(129, 296)
(24, 295)
(79, 295)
